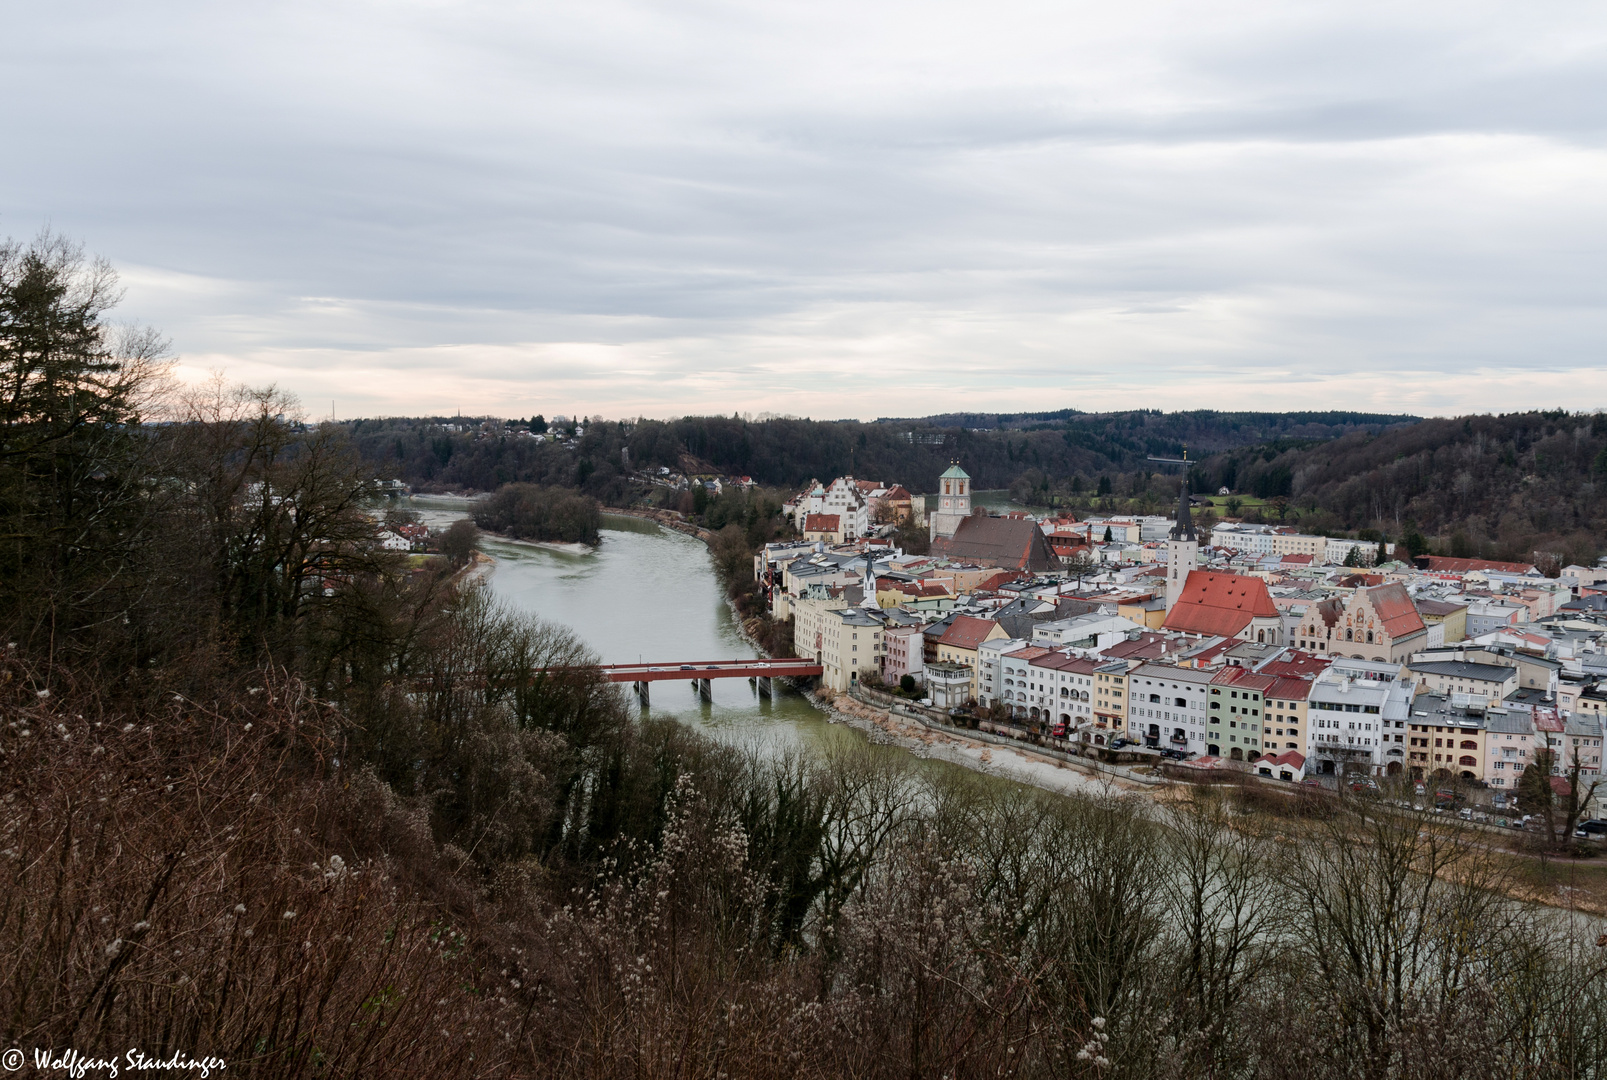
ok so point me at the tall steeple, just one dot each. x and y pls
(953, 502)
(1184, 529)
(1183, 546)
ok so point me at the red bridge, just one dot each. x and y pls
(762, 671)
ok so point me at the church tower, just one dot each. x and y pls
(1182, 547)
(953, 502)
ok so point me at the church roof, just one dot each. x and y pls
(1220, 605)
(954, 472)
(1007, 543)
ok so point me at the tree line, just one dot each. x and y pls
(787, 453)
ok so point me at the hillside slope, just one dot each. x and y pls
(1495, 486)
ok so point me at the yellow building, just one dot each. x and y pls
(1110, 700)
(1299, 544)
(959, 642)
(1446, 740)
(1149, 613)
(1453, 617)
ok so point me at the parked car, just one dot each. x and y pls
(1117, 744)
(1593, 828)
(1175, 755)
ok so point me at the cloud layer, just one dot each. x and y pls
(836, 209)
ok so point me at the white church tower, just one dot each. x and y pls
(953, 502)
(1182, 547)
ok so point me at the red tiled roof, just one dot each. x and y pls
(1441, 564)
(1143, 647)
(1293, 758)
(1220, 605)
(1395, 610)
(1245, 679)
(1359, 581)
(1328, 610)
(897, 493)
(1304, 560)
(1030, 653)
(1058, 661)
(1289, 689)
(821, 523)
(967, 632)
(1003, 577)
(1295, 663)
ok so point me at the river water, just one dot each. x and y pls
(646, 594)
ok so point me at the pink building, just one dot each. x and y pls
(903, 653)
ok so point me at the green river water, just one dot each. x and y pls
(646, 594)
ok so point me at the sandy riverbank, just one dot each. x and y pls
(1004, 762)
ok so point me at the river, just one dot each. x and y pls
(646, 594)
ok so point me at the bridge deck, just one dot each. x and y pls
(719, 669)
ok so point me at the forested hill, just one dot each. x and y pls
(995, 449)
(1205, 428)
(1507, 486)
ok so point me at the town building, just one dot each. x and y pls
(903, 649)
(959, 642)
(1110, 701)
(826, 528)
(989, 668)
(1446, 620)
(1286, 719)
(948, 686)
(1357, 724)
(1226, 605)
(1069, 683)
(1466, 680)
(849, 647)
(1379, 623)
(1236, 717)
(1022, 688)
(1489, 614)
(1508, 742)
(1447, 739)
(1168, 707)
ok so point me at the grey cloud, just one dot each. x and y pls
(808, 192)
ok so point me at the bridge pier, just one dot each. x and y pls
(705, 689)
(766, 686)
(641, 692)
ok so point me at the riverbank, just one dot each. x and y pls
(669, 519)
(546, 545)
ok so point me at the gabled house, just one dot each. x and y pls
(1226, 605)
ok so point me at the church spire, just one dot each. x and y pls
(1185, 524)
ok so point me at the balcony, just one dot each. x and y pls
(1178, 739)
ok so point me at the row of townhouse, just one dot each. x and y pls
(1273, 540)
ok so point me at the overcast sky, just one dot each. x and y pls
(835, 209)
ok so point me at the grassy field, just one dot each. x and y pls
(1246, 502)
(1571, 883)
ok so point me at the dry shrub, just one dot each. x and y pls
(209, 882)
